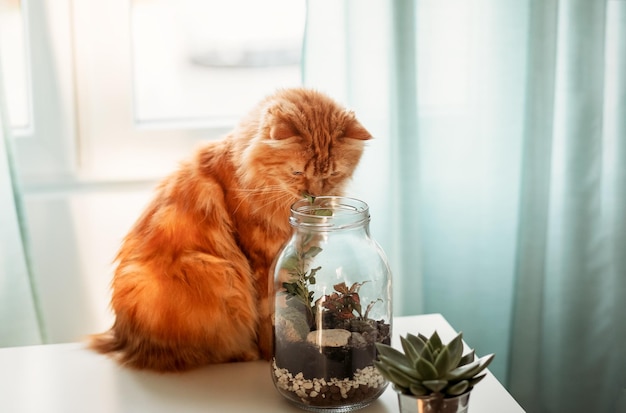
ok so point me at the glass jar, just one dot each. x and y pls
(332, 302)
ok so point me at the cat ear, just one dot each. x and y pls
(355, 130)
(281, 130)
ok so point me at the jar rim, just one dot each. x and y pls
(329, 212)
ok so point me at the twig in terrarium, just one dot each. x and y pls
(301, 278)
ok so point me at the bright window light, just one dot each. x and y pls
(199, 60)
(14, 63)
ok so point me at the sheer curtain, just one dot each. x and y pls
(497, 175)
(569, 322)
(18, 316)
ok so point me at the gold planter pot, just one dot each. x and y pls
(433, 404)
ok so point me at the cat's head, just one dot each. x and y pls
(302, 142)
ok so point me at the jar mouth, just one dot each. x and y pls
(329, 212)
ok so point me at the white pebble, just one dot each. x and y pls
(329, 338)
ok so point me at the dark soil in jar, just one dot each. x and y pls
(317, 362)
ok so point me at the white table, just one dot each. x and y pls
(67, 378)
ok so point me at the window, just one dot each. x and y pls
(14, 63)
(124, 89)
(198, 60)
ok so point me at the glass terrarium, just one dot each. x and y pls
(332, 303)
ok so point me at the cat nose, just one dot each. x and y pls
(316, 188)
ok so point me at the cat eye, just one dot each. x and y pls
(297, 173)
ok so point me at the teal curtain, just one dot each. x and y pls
(569, 324)
(18, 316)
(497, 175)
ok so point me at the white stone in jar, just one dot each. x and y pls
(329, 338)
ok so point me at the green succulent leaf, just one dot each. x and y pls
(455, 347)
(443, 362)
(484, 363)
(420, 345)
(403, 367)
(468, 358)
(418, 390)
(462, 372)
(470, 370)
(382, 368)
(476, 379)
(434, 342)
(458, 388)
(392, 357)
(409, 350)
(416, 341)
(395, 356)
(400, 378)
(435, 385)
(393, 375)
(426, 369)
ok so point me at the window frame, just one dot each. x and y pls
(45, 151)
(113, 146)
(83, 129)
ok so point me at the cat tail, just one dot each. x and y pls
(142, 353)
(103, 343)
(139, 352)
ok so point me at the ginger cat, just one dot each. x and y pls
(192, 285)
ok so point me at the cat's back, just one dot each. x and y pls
(202, 180)
(187, 205)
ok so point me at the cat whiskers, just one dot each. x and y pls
(269, 195)
(277, 199)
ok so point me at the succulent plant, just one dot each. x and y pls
(429, 367)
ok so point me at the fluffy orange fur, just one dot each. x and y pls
(192, 285)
